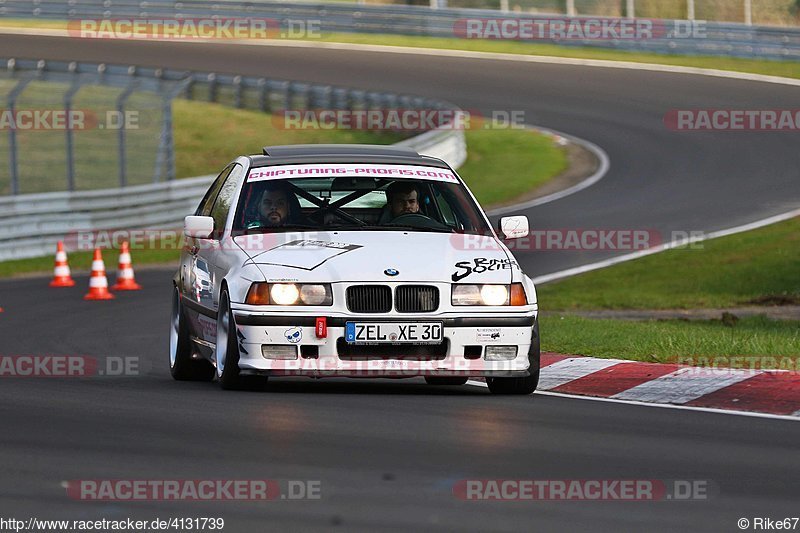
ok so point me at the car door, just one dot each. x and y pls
(221, 253)
(195, 276)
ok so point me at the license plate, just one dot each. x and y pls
(393, 332)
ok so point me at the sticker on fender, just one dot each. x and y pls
(393, 332)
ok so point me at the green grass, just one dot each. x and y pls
(208, 136)
(759, 265)
(96, 149)
(726, 272)
(755, 338)
(528, 160)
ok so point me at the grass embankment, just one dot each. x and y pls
(752, 268)
(758, 265)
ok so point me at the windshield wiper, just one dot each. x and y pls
(280, 229)
(388, 227)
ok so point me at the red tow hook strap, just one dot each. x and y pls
(322, 327)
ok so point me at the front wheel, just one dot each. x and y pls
(181, 364)
(227, 351)
(524, 385)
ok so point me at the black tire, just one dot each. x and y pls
(181, 364)
(445, 380)
(230, 377)
(525, 385)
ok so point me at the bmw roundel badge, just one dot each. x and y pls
(391, 272)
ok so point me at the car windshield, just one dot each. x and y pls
(357, 203)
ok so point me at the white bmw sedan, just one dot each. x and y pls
(350, 260)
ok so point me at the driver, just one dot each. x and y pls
(273, 208)
(402, 197)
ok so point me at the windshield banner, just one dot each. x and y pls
(378, 171)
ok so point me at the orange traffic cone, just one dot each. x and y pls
(98, 283)
(61, 274)
(125, 279)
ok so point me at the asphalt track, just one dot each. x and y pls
(387, 453)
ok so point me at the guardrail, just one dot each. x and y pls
(722, 39)
(31, 224)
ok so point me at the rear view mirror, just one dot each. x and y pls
(199, 227)
(514, 227)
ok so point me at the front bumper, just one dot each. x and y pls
(463, 352)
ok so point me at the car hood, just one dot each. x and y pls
(378, 256)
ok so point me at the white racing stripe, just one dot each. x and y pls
(568, 370)
(685, 385)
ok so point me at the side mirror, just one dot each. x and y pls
(514, 227)
(199, 227)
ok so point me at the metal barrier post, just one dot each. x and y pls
(169, 148)
(212, 87)
(12, 133)
(262, 94)
(68, 96)
(571, 8)
(237, 92)
(123, 156)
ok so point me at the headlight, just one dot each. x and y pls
(314, 294)
(290, 294)
(495, 295)
(284, 293)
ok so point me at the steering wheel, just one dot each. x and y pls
(418, 220)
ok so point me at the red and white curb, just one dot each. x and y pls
(774, 393)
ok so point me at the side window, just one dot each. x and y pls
(222, 204)
(447, 211)
(204, 209)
